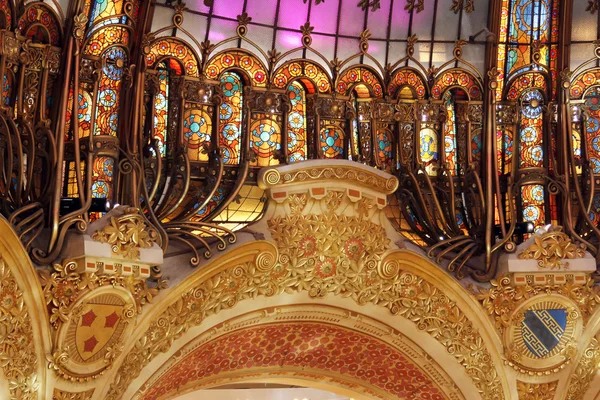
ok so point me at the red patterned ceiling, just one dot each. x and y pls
(329, 351)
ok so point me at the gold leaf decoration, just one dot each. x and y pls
(551, 248)
(64, 395)
(323, 255)
(584, 373)
(536, 391)
(503, 298)
(17, 349)
(64, 285)
(126, 235)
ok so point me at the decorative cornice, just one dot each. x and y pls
(339, 170)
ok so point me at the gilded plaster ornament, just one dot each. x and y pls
(552, 248)
(504, 297)
(64, 395)
(127, 235)
(18, 358)
(327, 254)
(536, 391)
(585, 371)
(63, 286)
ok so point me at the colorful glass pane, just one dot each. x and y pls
(384, 148)
(237, 59)
(265, 140)
(592, 127)
(296, 123)
(595, 210)
(304, 69)
(39, 25)
(173, 48)
(7, 89)
(533, 205)
(212, 203)
(107, 115)
(429, 150)
(450, 133)
(521, 23)
(230, 115)
(104, 9)
(197, 128)
(102, 177)
(161, 109)
(410, 78)
(103, 38)
(332, 140)
(531, 137)
(457, 77)
(476, 146)
(6, 15)
(349, 78)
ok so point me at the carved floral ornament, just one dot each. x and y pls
(127, 235)
(323, 255)
(552, 248)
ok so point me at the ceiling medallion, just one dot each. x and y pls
(543, 334)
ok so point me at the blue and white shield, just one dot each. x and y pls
(543, 329)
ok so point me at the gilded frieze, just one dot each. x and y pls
(536, 391)
(584, 372)
(504, 297)
(66, 395)
(323, 254)
(18, 358)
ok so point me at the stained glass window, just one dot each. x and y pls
(592, 127)
(102, 180)
(531, 138)
(107, 111)
(104, 9)
(450, 132)
(523, 22)
(429, 150)
(161, 109)
(265, 139)
(331, 139)
(230, 115)
(197, 128)
(384, 147)
(533, 205)
(296, 123)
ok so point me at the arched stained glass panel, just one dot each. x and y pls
(332, 139)
(592, 127)
(161, 109)
(523, 22)
(265, 139)
(297, 122)
(531, 139)
(429, 150)
(450, 133)
(107, 110)
(197, 128)
(230, 115)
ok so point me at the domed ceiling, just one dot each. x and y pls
(338, 25)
